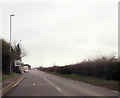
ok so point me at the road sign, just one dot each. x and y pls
(17, 62)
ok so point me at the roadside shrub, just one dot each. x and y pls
(101, 67)
(65, 70)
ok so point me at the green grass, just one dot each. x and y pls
(91, 80)
(4, 77)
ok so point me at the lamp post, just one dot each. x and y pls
(20, 46)
(21, 59)
(10, 39)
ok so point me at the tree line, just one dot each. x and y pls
(101, 67)
(8, 56)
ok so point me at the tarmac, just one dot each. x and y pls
(10, 83)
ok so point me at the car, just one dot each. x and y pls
(26, 70)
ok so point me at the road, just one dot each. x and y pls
(38, 83)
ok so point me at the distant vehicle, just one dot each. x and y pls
(25, 69)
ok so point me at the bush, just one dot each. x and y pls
(100, 67)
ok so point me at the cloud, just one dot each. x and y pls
(64, 31)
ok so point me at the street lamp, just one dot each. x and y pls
(10, 39)
(20, 49)
(20, 58)
(10, 30)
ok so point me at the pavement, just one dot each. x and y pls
(9, 83)
(38, 83)
(10, 80)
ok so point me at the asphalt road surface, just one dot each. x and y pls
(38, 83)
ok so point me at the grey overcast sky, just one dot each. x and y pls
(62, 31)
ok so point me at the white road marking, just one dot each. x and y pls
(18, 82)
(53, 85)
(33, 84)
(58, 88)
(11, 84)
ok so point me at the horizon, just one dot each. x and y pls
(61, 32)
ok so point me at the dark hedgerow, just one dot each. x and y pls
(101, 67)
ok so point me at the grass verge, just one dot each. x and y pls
(4, 77)
(91, 80)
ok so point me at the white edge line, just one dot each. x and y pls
(53, 85)
(58, 88)
(18, 82)
(10, 85)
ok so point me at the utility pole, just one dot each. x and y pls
(10, 69)
(20, 47)
(21, 59)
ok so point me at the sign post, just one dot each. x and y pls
(17, 63)
(18, 66)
